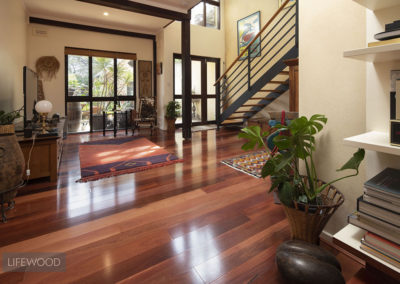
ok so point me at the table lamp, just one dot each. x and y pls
(43, 108)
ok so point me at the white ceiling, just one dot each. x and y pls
(90, 14)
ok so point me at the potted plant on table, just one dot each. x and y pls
(7, 119)
(307, 201)
(173, 111)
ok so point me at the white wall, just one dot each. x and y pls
(57, 38)
(204, 41)
(12, 53)
(334, 86)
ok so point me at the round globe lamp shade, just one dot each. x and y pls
(43, 106)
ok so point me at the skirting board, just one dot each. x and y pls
(327, 237)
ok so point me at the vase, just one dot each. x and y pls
(12, 166)
(307, 221)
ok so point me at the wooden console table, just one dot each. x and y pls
(46, 154)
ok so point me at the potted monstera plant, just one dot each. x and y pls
(308, 202)
(173, 111)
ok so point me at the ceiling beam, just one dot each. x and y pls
(140, 8)
(68, 25)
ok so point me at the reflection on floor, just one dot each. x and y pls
(195, 222)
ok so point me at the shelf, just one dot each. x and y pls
(349, 238)
(373, 141)
(389, 52)
(377, 4)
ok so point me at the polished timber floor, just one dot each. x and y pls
(194, 222)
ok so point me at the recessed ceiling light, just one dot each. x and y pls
(105, 14)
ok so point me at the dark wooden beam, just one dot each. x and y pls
(68, 25)
(139, 8)
(186, 81)
(155, 73)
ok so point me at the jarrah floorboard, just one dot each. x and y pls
(194, 222)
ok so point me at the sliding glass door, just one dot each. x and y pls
(95, 84)
(205, 71)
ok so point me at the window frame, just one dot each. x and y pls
(90, 98)
(213, 3)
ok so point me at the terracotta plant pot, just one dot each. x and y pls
(171, 125)
(307, 221)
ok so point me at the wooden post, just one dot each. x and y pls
(186, 80)
(293, 84)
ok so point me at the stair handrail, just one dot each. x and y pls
(254, 39)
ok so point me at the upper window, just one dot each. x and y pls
(206, 14)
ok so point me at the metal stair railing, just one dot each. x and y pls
(247, 75)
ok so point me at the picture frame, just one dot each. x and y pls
(145, 78)
(291, 3)
(247, 29)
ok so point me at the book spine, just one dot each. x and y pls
(379, 254)
(378, 247)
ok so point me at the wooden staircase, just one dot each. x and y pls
(264, 97)
(251, 83)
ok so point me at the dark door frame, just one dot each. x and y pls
(203, 96)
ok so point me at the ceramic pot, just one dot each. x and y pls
(12, 165)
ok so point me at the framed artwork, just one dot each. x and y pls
(247, 29)
(291, 3)
(145, 79)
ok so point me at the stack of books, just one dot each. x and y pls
(378, 212)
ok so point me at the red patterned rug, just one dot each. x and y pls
(107, 158)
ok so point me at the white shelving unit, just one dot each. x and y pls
(388, 58)
(382, 53)
(351, 237)
(373, 141)
(377, 4)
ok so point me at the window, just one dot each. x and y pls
(206, 14)
(97, 82)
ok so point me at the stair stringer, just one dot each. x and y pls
(260, 83)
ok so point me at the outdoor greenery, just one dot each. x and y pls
(294, 143)
(173, 110)
(103, 80)
(9, 117)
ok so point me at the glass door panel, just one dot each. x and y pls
(103, 77)
(78, 76)
(196, 110)
(98, 108)
(211, 78)
(196, 77)
(125, 81)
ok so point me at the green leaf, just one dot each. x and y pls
(254, 137)
(287, 159)
(354, 162)
(285, 193)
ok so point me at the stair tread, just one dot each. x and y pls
(284, 72)
(253, 105)
(239, 117)
(244, 111)
(279, 82)
(272, 91)
(267, 99)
